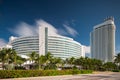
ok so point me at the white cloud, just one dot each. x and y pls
(117, 49)
(24, 29)
(70, 30)
(62, 32)
(51, 29)
(87, 49)
(2, 42)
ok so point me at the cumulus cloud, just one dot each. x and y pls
(87, 49)
(51, 29)
(117, 49)
(24, 29)
(70, 30)
(62, 32)
(2, 42)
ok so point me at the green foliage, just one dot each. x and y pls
(117, 61)
(9, 66)
(87, 63)
(74, 68)
(20, 60)
(33, 56)
(49, 62)
(10, 59)
(117, 58)
(116, 70)
(50, 66)
(35, 73)
(19, 68)
(75, 71)
(7, 55)
(109, 66)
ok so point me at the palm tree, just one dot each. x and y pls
(20, 60)
(80, 62)
(71, 61)
(48, 55)
(109, 66)
(49, 62)
(56, 61)
(42, 61)
(33, 56)
(7, 55)
(13, 56)
(117, 59)
(86, 63)
(96, 64)
(66, 61)
(3, 57)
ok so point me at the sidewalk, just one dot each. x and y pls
(103, 72)
(95, 76)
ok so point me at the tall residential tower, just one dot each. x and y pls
(103, 41)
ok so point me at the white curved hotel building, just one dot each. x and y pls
(26, 45)
(59, 46)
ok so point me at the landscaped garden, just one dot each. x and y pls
(14, 66)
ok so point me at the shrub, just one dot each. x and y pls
(35, 73)
(116, 70)
(75, 72)
(19, 68)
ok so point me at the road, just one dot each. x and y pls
(96, 76)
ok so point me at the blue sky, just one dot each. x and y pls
(72, 18)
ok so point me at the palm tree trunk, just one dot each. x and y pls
(3, 65)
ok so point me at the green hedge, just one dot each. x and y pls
(116, 70)
(35, 73)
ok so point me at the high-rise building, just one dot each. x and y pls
(59, 46)
(103, 41)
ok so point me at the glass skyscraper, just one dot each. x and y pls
(103, 41)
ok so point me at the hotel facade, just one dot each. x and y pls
(58, 46)
(103, 41)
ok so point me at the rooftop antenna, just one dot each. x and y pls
(109, 18)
